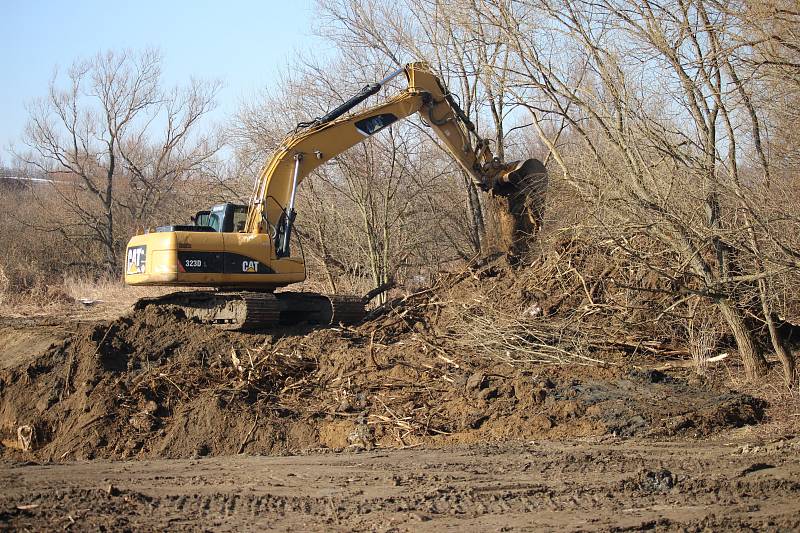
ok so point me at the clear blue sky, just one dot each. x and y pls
(243, 43)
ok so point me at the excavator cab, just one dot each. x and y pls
(202, 218)
(223, 218)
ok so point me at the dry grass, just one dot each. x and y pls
(73, 296)
(4, 285)
(107, 290)
(703, 339)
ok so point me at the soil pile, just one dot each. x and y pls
(154, 384)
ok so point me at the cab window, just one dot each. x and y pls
(213, 221)
(201, 219)
(239, 218)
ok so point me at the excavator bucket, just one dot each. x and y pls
(529, 176)
(523, 186)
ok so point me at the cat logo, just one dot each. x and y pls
(249, 266)
(136, 260)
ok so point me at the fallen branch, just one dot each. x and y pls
(247, 437)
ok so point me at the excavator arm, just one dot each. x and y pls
(316, 142)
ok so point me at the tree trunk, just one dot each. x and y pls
(108, 204)
(477, 228)
(110, 244)
(325, 255)
(755, 365)
(781, 349)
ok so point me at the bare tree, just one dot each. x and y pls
(116, 145)
(649, 91)
(469, 55)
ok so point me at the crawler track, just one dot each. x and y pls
(247, 310)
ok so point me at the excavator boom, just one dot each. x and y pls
(316, 142)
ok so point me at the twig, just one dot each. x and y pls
(378, 290)
(247, 437)
(371, 350)
(162, 375)
(100, 344)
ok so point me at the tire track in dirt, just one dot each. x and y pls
(547, 485)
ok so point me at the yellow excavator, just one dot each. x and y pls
(244, 252)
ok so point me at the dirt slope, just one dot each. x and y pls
(157, 385)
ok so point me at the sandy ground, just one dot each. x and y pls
(564, 486)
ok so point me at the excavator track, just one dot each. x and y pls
(262, 310)
(244, 310)
(347, 309)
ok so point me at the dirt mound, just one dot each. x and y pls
(157, 385)
(154, 383)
